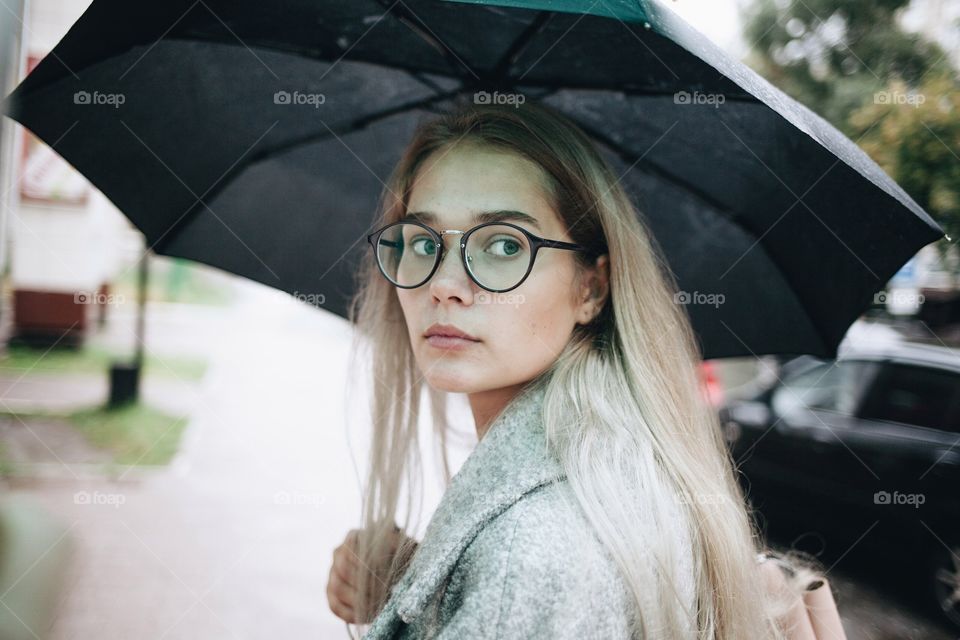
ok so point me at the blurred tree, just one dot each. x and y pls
(891, 91)
(918, 143)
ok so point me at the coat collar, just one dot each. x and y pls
(509, 461)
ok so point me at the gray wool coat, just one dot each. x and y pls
(508, 552)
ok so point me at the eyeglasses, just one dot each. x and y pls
(498, 256)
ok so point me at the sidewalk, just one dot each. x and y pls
(65, 392)
(234, 539)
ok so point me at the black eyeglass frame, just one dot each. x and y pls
(536, 243)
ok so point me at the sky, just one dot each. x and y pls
(719, 20)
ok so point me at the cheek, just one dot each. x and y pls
(550, 324)
(540, 324)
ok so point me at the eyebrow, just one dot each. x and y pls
(484, 216)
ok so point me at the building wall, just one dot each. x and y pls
(67, 241)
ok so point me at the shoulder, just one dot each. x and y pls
(553, 542)
(555, 574)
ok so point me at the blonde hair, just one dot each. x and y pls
(624, 407)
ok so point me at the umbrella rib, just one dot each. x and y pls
(429, 84)
(351, 127)
(419, 27)
(355, 125)
(632, 158)
(521, 43)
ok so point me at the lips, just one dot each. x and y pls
(449, 331)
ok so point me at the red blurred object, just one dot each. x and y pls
(712, 385)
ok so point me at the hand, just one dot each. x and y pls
(341, 584)
(814, 616)
(342, 589)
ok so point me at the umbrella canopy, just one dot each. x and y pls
(256, 137)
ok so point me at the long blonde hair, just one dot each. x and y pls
(624, 406)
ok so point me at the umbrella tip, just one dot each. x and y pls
(947, 236)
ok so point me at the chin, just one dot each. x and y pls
(450, 381)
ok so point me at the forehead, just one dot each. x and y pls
(470, 184)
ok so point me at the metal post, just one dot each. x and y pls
(13, 49)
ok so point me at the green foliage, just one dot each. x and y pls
(918, 142)
(891, 91)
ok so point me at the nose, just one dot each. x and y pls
(450, 281)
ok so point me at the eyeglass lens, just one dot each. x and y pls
(497, 256)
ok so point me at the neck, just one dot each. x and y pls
(486, 405)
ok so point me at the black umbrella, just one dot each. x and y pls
(255, 137)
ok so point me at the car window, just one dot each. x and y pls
(916, 395)
(832, 386)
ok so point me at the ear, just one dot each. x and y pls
(595, 287)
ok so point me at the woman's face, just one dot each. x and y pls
(518, 333)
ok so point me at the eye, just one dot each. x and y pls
(505, 247)
(423, 246)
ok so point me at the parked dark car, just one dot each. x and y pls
(864, 450)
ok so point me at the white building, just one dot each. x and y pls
(65, 239)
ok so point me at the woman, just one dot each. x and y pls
(600, 500)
